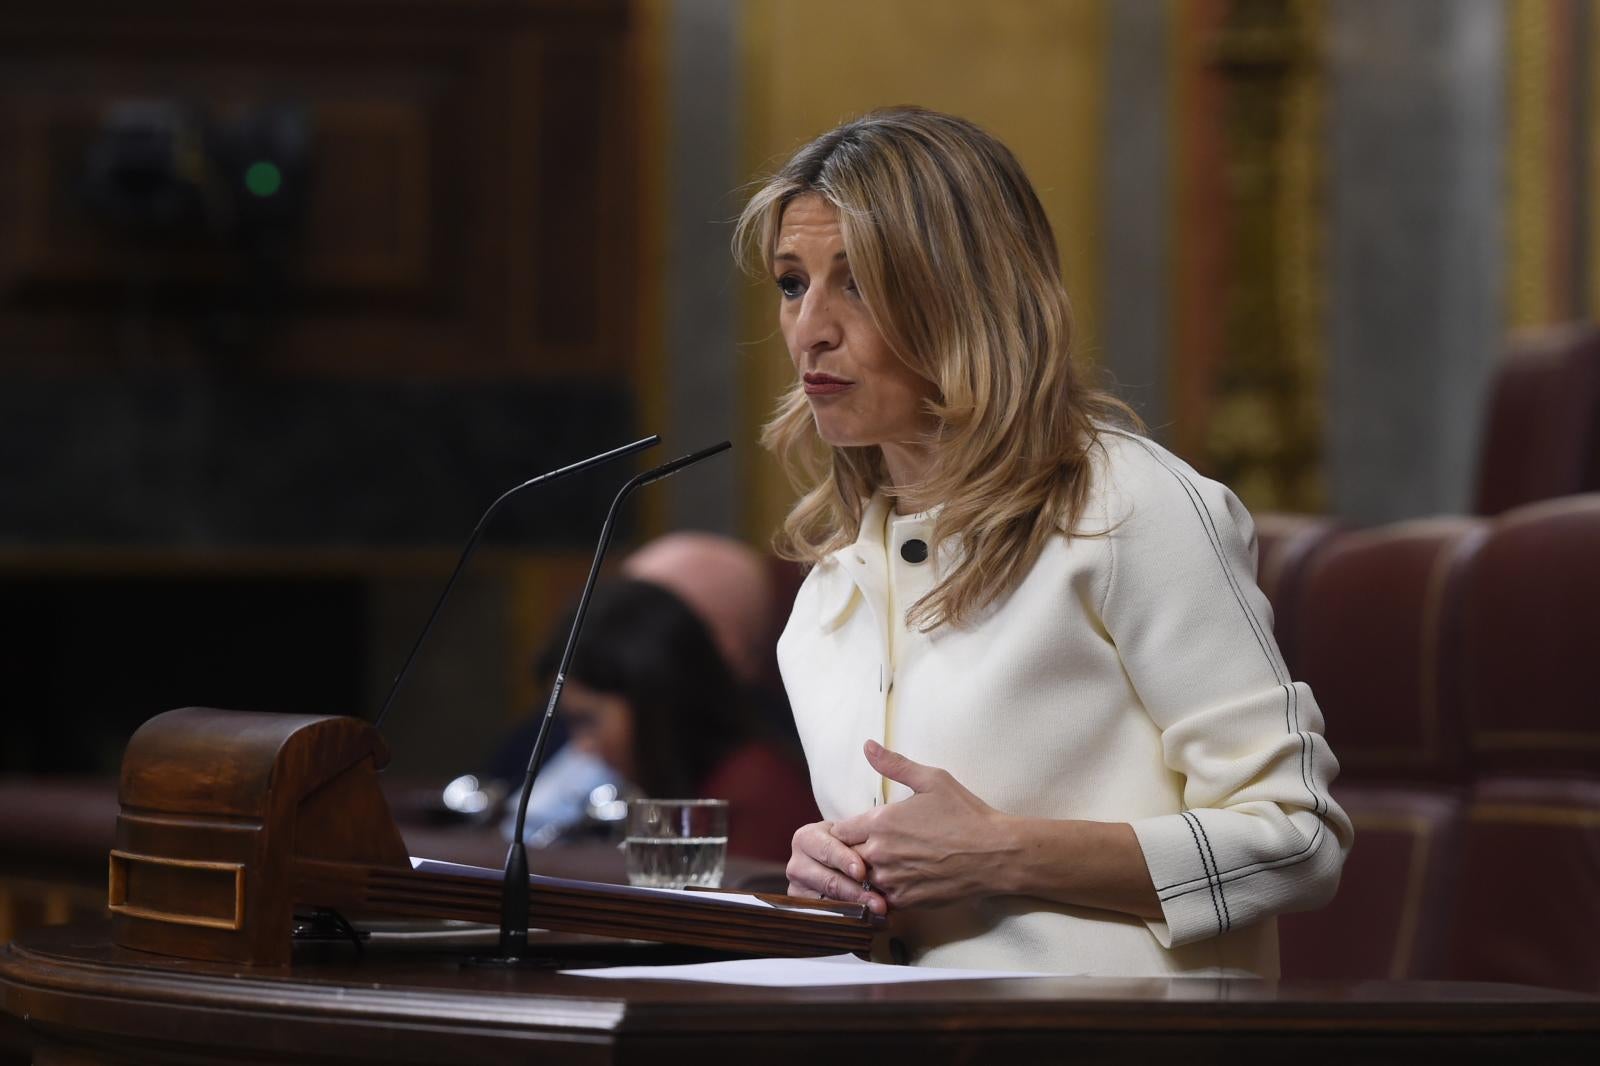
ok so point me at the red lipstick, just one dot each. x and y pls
(820, 384)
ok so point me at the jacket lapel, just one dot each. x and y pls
(855, 572)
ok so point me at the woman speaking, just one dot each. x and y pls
(1046, 721)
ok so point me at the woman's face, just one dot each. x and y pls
(861, 394)
(599, 724)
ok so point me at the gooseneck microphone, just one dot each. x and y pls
(514, 900)
(472, 543)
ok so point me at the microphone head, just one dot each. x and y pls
(669, 468)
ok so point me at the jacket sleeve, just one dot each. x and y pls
(1259, 834)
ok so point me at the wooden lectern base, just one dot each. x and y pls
(88, 1001)
(231, 821)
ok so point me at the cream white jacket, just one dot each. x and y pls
(1130, 677)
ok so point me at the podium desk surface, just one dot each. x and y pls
(409, 998)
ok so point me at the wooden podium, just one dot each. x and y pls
(87, 1001)
(231, 821)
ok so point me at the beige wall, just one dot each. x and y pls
(1030, 72)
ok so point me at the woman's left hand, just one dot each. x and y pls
(942, 845)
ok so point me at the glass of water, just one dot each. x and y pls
(676, 843)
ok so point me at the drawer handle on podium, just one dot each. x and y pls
(209, 894)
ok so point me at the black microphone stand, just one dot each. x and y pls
(472, 543)
(514, 900)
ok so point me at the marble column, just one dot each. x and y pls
(1415, 310)
(702, 286)
(1135, 322)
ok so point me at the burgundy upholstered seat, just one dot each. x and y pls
(1531, 642)
(1375, 631)
(1527, 904)
(1528, 892)
(1392, 912)
(1285, 545)
(1542, 423)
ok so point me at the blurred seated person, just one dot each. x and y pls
(649, 694)
(725, 582)
(730, 586)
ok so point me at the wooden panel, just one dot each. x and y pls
(367, 214)
(144, 886)
(468, 205)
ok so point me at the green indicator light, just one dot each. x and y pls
(263, 179)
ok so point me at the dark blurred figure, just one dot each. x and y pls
(649, 694)
(733, 590)
(725, 583)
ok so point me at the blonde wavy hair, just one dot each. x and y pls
(957, 265)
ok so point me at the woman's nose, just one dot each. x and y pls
(817, 327)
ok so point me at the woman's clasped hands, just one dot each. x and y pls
(941, 845)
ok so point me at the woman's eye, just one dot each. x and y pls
(791, 287)
(850, 287)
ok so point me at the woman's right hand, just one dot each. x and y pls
(821, 867)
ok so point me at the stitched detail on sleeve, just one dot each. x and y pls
(1303, 780)
(1319, 802)
(1319, 807)
(1293, 696)
(1249, 869)
(1308, 757)
(1291, 707)
(1201, 852)
(1223, 896)
(1208, 526)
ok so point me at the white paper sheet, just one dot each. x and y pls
(799, 973)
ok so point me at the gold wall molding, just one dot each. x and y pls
(1527, 147)
(1248, 371)
(1545, 156)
